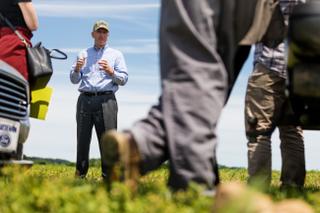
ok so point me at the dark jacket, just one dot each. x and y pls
(241, 23)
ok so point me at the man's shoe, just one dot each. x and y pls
(121, 158)
(77, 174)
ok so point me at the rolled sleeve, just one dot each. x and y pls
(120, 76)
(75, 77)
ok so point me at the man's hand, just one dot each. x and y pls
(80, 63)
(105, 66)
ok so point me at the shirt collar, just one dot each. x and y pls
(102, 48)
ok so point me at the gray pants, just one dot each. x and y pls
(100, 112)
(182, 127)
(265, 101)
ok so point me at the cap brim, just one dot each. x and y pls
(102, 27)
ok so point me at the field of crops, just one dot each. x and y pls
(53, 188)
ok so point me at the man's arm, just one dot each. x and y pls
(29, 15)
(75, 73)
(120, 75)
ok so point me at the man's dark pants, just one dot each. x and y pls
(99, 111)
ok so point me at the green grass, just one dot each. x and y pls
(52, 188)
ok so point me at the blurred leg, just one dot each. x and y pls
(84, 132)
(260, 108)
(194, 82)
(105, 118)
(293, 169)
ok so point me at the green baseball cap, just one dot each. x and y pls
(101, 24)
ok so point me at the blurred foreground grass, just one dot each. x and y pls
(52, 188)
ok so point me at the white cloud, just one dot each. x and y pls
(131, 46)
(143, 49)
(126, 49)
(87, 9)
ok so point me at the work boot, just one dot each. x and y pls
(121, 156)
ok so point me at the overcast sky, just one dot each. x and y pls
(134, 31)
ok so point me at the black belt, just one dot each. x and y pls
(97, 93)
